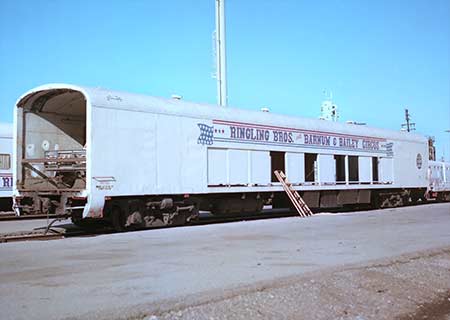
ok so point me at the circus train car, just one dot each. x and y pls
(139, 160)
(439, 179)
(6, 179)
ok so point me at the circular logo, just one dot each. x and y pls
(419, 161)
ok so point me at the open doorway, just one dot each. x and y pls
(375, 169)
(353, 169)
(310, 166)
(340, 168)
(276, 163)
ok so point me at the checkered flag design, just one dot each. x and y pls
(206, 134)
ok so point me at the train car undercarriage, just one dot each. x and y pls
(145, 212)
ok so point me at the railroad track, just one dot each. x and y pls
(73, 231)
(10, 216)
(50, 234)
(28, 237)
(45, 233)
(249, 217)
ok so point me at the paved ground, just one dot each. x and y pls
(196, 272)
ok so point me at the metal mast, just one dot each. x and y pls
(409, 126)
(220, 54)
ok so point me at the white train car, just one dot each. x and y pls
(6, 179)
(101, 154)
(439, 178)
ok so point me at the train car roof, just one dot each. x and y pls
(113, 99)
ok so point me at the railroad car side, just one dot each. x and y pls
(333, 166)
(6, 179)
(223, 159)
(142, 160)
(439, 180)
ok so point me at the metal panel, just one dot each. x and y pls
(326, 168)
(168, 157)
(347, 197)
(237, 166)
(6, 146)
(410, 164)
(295, 167)
(439, 175)
(260, 167)
(43, 135)
(365, 169)
(328, 199)
(364, 196)
(217, 166)
(447, 174)
(124, 150)
(386, 170)
(194, 157)
(312, 198)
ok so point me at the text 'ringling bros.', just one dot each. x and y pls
(237, 132)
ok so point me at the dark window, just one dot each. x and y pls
(353, 171)
(340, 168)
(375, 169)
(277, 163)
(310, 159)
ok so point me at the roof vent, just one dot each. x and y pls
(176, 97)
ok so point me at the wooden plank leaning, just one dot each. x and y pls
(299, 204)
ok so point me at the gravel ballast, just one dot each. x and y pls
(415, 286)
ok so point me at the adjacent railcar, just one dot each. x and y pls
(6, 179)
(439, 178)
(141, 160)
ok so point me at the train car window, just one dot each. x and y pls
(353, 168)
(276, 163)
(375, 169)
(310, 159)
(5, 161)
(340, 168)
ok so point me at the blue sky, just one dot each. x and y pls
(377, 57)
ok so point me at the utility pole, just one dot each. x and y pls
(409, 126)
(221, 54)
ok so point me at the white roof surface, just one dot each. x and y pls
(100, 97)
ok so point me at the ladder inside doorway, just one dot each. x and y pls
(299, 204)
